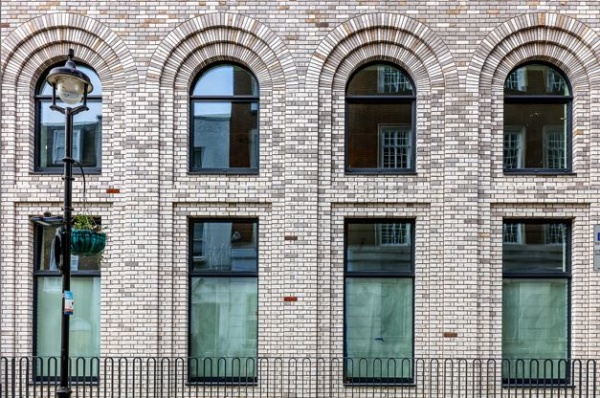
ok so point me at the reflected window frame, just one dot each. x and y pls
(198, 153)
(384, 96)
(516, 81)
(514, 233)
(40, 98)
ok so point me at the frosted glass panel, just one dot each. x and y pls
(535, 324)
(379, 324)
(223, 329)
(84, 325)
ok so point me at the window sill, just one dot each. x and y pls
(527, 384)
(223, 382)
(535, 172)
(374, 382)
(385, 172)
(76, 171)
(223, 171)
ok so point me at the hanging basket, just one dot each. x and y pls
(87, 241)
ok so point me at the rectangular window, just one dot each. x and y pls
(391, 80)
(223, 300)
(84, 340)
(379, 295)
(517, 80)
(395, 146)
(513, 233)
(514, 147)
(536, 297)
(555, 148)
(555, 83)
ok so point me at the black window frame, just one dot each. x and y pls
(53, 362)
(193, 99)
(544, 100)
(384, 99)
(536, 274)
(39, 99)
(410, 274)
(229, 380)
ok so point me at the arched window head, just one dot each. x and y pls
(50, 128)
(537, 120)
(380, 120)
(224, 120)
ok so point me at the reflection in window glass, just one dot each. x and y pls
(537, 117)
(87, 129)
(535, 247)
(380, 129)
(379, 300)
(535, 300)
(224, 299)
(224, 105)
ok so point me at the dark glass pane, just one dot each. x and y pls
(225, 135)
(535, 136)
(87, 136)
(379, 136)
(46, 88)
(78, 263)
(535, 247)
(535, 326)
(84, 338)
(380, 80)
(224, 246)
(226, 80)
(223, 327)
(379, 324)
(536, 79)
(381, 247)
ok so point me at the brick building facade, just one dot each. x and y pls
(458, 197)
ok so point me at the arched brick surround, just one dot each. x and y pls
(33, 47)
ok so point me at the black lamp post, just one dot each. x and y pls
(71, 86)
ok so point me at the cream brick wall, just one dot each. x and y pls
(302, 53)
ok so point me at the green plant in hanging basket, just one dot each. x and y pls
(86, 236)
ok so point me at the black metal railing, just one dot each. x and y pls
(138, 377)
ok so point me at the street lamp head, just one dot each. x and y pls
(70, 84)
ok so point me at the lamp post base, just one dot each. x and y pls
(63, 392)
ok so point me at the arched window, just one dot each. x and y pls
(224, 120)
(380, 120)
(50, 128)
(537, 120)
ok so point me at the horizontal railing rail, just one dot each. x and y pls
(264, 377)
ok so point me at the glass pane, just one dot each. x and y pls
(225, 135)
(379, 247)
(537, 134)
(223, 327)
(78, 263)
(84, 327)
(536, 79)
(379, 324)
(535, 326)
(373, 130)
(225, 246)
(380, 80)
(87, 136)
(226, 80)
(535, 247)
(46, 88)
